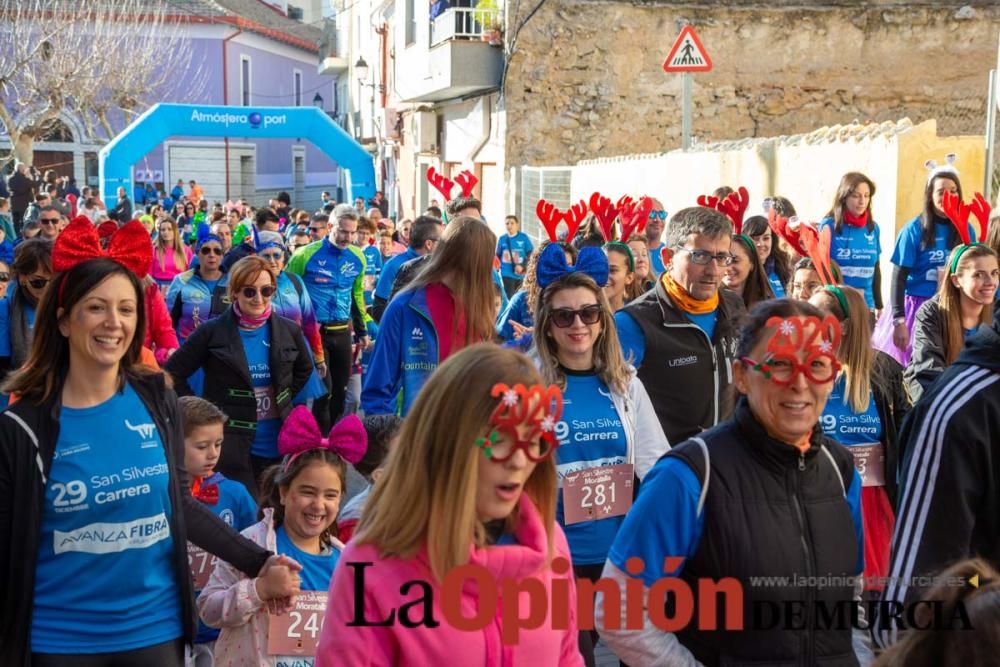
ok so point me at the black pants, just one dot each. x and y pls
(511, 285)
(338, 349)
(17, 217)
(167, 654)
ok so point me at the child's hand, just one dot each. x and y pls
(278, 582)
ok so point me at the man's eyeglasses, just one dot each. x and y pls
(48, 221)
(316, 230)
(272, 256)
(210, 251)
(564, 317)
(653, 215)
(703, 257)
(38, 283)
(267, 291)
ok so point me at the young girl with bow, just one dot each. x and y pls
(300, 499)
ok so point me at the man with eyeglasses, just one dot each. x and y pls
(681, 335)
(424, 235)
(318, 226)
(49, 220)
(333, 270)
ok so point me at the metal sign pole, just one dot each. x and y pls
(991, 133)
(686, 114)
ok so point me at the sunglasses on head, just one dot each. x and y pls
(38, 283)
(564, 317)
(267, 291)
(210, 251)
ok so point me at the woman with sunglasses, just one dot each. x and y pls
(32, 270)
(489, 501)
(865, 412)
(764, 493)
(255, 362)
(608, 420)
(199, 294)
(170, 255)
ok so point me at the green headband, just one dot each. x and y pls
(841, 298)
(958, 255)
(748, 242)
(617, 245)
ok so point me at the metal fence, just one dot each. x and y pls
(534, 183)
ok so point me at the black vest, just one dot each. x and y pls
(687, 377)
(772, 512)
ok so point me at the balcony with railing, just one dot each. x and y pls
(464, 55)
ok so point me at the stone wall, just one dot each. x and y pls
(585, 78)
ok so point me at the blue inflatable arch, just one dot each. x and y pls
(163, 121)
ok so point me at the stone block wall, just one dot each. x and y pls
(585, 79)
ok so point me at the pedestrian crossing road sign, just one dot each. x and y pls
(687, 54)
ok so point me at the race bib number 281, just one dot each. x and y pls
(598, 493)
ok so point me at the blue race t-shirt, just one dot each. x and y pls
(590, 435)
(656, 260)
(857, 251)
(513, 251)
(317, 569)
(776, 286)
(705, 322)
(923, 263)
(105, 577)
(373, 267)
(847, 427)
(237, 508)
(257, 347)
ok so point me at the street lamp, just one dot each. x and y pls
(361, 68)
(318, 101)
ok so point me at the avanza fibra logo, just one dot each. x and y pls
(145, 431)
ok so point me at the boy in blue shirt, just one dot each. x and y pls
(513, 249)
(227, 498)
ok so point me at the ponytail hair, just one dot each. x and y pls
(281, 476)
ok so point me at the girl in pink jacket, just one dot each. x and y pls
(457, 559)
(299, 506)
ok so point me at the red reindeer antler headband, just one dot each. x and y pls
(958, 212)
(465, 180)
(734, 206)
(634, 218)
(550, 217)
(605, 212)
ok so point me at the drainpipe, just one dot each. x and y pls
(487, 128)
(225, 95)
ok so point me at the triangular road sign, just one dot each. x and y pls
(687, 54)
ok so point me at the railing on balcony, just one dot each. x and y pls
(463, 23)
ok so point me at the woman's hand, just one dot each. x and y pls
(279, 582)
(900, 336)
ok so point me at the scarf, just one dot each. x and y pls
(685, 301)
(206, 490)
(856, 220)
(248, 322)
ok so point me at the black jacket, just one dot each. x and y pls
(28, 436)
(892, 403)
(927, 360)
(688, 377)
(772, 511)
(216, 347)
(21, 191)
(949, 485)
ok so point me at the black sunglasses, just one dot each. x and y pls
(38, 283)
(214, 251)
(267, 291)
(48, 221)
(4, 277)
(564, 317)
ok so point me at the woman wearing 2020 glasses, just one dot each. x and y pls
(255, 363)
(763, 494)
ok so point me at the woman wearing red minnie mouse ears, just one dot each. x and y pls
(95, 511)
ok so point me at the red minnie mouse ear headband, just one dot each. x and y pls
(130, 246)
